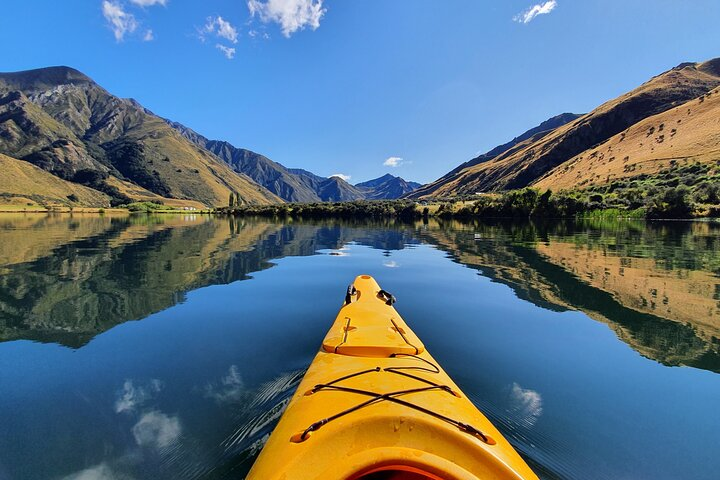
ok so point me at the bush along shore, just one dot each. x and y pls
(654, 201)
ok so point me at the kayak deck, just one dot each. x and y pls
(374, 404)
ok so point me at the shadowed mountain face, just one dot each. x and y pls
(387, 186)
(64, 123)
(531, 135)
(271, 175)
(66, 280)
(295, 184)
(547, 157)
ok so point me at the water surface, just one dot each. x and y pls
(167, 347)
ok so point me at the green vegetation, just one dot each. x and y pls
(677, 192)
(148, 207)
(403, 209)
(687, 192)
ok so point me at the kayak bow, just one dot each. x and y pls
(375, 405)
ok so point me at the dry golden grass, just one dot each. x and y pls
(528, 162)
(140, 194)
(194, 174)
(685, 134)
(22, 179)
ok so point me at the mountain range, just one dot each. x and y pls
(88, 147)
(66, 140)
(671, 121)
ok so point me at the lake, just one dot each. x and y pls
(166, 347)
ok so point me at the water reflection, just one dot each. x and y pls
(193, 389)
(66, 279)
(655, 285)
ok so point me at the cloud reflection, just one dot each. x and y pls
(230, 388)
(526, 404)
(156, 429)
(98, 472)
(133, 395)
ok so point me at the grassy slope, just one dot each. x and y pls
(683, 135)
(22, 179)
(522, 166)
(191, 172)
(61, 103)
(517, 143)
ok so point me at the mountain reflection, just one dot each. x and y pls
(66, 279)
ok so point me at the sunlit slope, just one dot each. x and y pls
(62, 121)
(271, 175)
(524, 166)
(684, 135)
(140, 194)
(516, 144)
(22, 179)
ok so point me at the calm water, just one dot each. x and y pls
(166, 348)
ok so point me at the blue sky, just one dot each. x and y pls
(341, 86)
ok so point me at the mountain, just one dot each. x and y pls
(677, 139)
(61, 121)
(386, 187)
(528, 162)
(271, 175)
(335, 189)
(296, 184)
(308, 179)
(534, 134)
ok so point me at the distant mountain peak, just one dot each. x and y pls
(386, 187)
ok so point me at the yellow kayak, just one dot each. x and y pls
(375, 405)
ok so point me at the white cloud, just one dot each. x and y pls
(230, 388)
(257, 34)
(121, 22)
(539, 9)
(291, 15)
(149, 36)
(341, 176)
(391, 264)
(149, 3)
(133, 395)
(393, 162)
(229, 52)
(155, 429)
(526, 404)
(221, 28)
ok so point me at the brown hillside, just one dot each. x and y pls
(686, 134)
(21, 179)
(516, 144)
(521, 167)
(66, 124)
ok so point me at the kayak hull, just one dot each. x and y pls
(375, 404)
